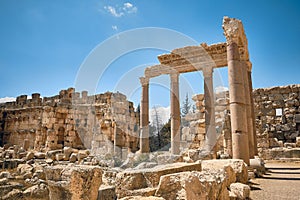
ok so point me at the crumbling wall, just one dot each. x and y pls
(69, 119)
(277, 116)
(194, 132)
(277, 112)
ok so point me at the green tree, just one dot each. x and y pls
(186, 106)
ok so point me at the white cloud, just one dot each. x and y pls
(129, 8)
(7, 99)
(119, 11)
(113, 11)
(115, 28)
(128, 5)
(220, 89)
(163, 113)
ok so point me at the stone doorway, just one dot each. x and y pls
(61, 136)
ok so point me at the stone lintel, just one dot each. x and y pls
(193, 58)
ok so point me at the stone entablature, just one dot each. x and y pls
(70, 119)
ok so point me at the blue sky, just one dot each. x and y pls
(44, 43)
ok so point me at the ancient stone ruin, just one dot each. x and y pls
(234, 54)
(79, 146)
(103, 123)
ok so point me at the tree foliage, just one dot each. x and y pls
(160, 134)
(186, 106)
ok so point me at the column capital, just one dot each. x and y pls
(233, 30)
(207, 71)
(144, 81)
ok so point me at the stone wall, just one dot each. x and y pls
(277, 112)
(69, 119)
(194, 132)
(277, 116)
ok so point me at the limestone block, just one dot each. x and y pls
(192, 185)
(241, 190)
(76, 182)
(40, 155)
(67, 152)
(289, 103)
(29, 156)
(138, 179)
(73, 157)
(59, 156)
(36, 192)
(51, 154)
(13, 192)
(298, 141)
(237, 165)
(81, 155)
(25, 169)
(107, 193)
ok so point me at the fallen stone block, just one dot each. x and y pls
(193, 185)
(37, 192)
(78, 182)
(241, 190)
(13, 194)
(29, 156)
(143, 178)
(107, 193)
(40, 155)
(239, 167)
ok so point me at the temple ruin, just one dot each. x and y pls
(104, 123)
(234, 54)
(80, 146)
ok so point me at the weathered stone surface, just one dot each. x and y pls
(5, 174)
(73, 157)
(3, 181)
(29, 156)
(237, 165)
(9, 187)
(73, 181)
(12, 195)
(68, 120)
(138, 179)
(25, 170)
(193, 185)
(107, 193)
(241, 190)
(37, 192)
(40, 155)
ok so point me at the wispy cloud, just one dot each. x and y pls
(7, 99)
(119, 11)
(221, 89)
(163, 113)
(115, 28)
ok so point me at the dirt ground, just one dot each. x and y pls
(281, 181)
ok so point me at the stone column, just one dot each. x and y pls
(252, 110)
(144, 116)
(210, 126)
(236, 71)
(245, 66)
(175, 114)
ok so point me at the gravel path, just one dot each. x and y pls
(282, 181)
